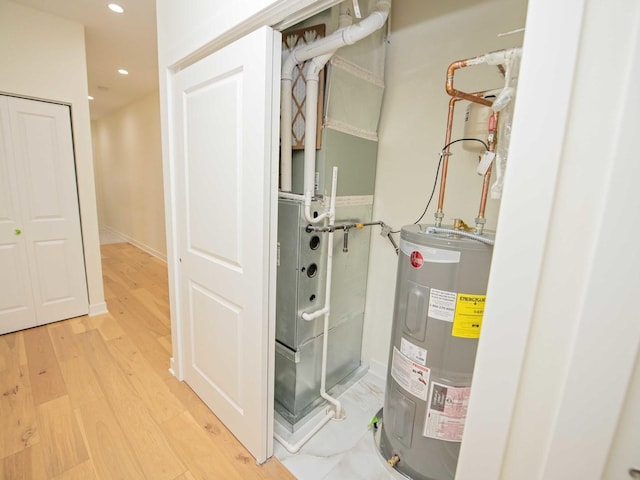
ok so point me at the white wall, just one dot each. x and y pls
(594, 345)
(128, 161)
(43, 57)
(186, 33)
(425, 38)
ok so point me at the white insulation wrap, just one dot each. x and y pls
(350, 85)
(347, 35)
(504, 104)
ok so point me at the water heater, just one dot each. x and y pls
(439, 304)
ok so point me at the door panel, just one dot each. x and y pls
(43, 206)
(46, 169)
(226, 189)
(16, 304)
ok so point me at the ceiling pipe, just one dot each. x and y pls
(346, 35)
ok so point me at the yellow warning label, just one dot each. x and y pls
(467, 320)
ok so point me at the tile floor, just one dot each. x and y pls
(343, 449)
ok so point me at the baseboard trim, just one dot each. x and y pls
(126, 238)
(98, 309)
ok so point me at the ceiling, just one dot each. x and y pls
(113, 41)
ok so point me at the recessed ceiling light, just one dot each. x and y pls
(90, 97)
(122, 71)
(114, 7)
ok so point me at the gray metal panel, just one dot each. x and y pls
(297, 384)
(296, 291)
(299, 347)
(355, 158)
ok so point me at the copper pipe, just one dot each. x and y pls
(457, 93)
(445, 153)
(485, 190)
(487, 176)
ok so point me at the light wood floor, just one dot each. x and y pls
(91, 398)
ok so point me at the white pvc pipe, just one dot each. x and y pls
(344, 36)
(285, 134)
(291, 196)
(337, 412)
(327, 306)
(295, 447)
(340, 38)
(312, 74)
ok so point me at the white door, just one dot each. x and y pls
(16, 302)
(225, 154)
(43, 216)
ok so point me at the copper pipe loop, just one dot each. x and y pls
(457, 93)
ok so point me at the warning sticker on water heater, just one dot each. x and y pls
(442, 304)
(467, 320)
(446, 412)
(413, 352)
(414, 378)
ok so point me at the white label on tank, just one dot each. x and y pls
(442, 304)
(411, 376)
(413, 352)
(446, 412)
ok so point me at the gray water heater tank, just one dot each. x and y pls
(439, 304)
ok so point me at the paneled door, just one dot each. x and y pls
(225, 119)
(42, 272)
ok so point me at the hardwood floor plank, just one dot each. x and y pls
(63, 447)
(64, 341)
(92, 398)
(151, 390)
(94, 349)
(157, 459)
(186, 476)
(196, 449)
(109, 448)
(146, 339)
(12, 351)
(81, 381)
(26, 464)
(84, 471)
(166, 343)
(44, 372)
(18, 424)
(154, 305)
(108, 326)
(226, 444)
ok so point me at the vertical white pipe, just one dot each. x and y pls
(310, 128)
(285, 133)
(312, 74)
(327, 296)
(347, 35)
(337, 413)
